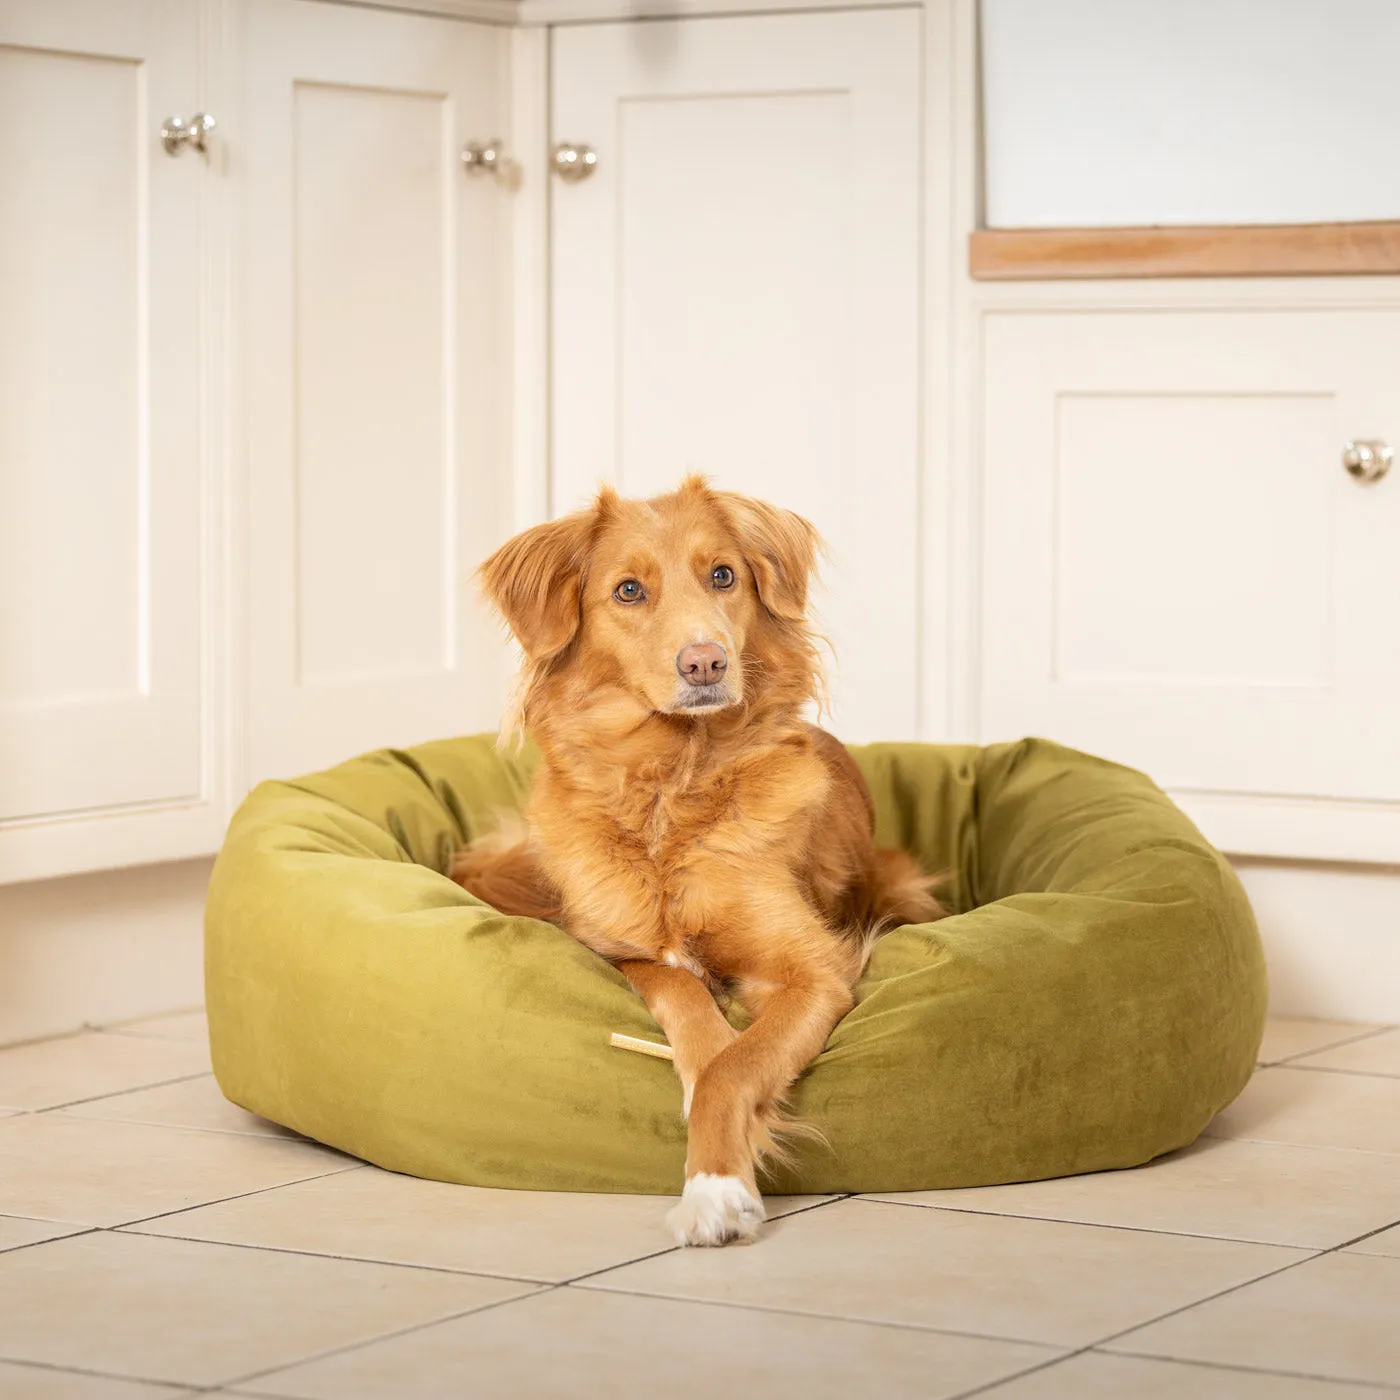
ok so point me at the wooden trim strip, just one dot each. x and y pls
(1226, 250)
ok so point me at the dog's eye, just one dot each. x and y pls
(723, 576)
(629, 591)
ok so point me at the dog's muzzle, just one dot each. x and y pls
(704, 697)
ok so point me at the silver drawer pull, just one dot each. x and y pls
(573, 163)
(490, 158)
(1367, 459)
(177, 133)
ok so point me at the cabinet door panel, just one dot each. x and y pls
(101, 453)
(377, 471)
(1178, 571)
(736, 292)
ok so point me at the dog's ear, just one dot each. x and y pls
(780, 547)
(535, 582)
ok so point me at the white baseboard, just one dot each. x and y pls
(1331, 935)
(89, 949)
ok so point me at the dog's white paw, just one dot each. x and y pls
(715, 1210)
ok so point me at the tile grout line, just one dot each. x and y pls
(537, 1292)
(324, 1254)
(1103, 1342)
(286, 1135)
(1092, 1224)
(677, 1248)
(194, 1009)
(1020, 1375)
(127, 1228)
(84, 1029)
(122, 1225)
(1350, 1073)
(51, 1239)
(134, 1030)
(1384, 1387)
(1366, 1235)
(888, 1323)
(1331, 1045)
(1215, 1297)
(116, 1094)
(45, 1220)
(1283, 1142)
(1363, 1387)
(183, 1387)
(164, 1037)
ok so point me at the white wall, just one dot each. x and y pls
(1331, 937)
(100, 948)
(1103, 112)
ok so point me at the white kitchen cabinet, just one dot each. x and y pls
(736, 290)
(105, 649)
(376, 277)
(1179, 573)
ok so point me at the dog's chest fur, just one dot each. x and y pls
(671, 819)
(650, 857)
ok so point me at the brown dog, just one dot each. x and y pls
(686, 823)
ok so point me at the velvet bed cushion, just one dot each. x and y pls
(1098, 995)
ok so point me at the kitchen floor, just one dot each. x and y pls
(156, 1241)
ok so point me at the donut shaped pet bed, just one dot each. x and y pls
(1097, 995)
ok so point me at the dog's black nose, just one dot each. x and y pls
(702, 663)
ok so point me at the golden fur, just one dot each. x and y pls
(705, 839)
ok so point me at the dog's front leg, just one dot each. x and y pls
(686, 1012)
(737, 1107)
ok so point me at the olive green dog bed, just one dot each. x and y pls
(1096, 997)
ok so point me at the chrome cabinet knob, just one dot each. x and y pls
(490, 158)
(177, 133)
(1367, 459)
(573, 163)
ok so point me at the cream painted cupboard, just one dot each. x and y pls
(1179, 570)
(254, 401)
(109, 638)
(377, 280)
(736, 290)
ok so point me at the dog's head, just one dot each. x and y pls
(684, 604)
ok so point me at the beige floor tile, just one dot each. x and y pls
(17, 1230)
(18, 1382)
(1315, 1110)
(1387, 1243)
(48, 1073)
(1286, 1036)
(57, 1167)
(202, 1314)
(182, 1025)
(1313, 1197)
(1029, 1280)
(1332, 1316)
(574, 1345)
(371, 1214)
(1377, 1054)
(192, 1103)
(1094, 1376)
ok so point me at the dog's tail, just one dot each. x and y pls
(501, 870)
(902, 893)
(894, 891)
